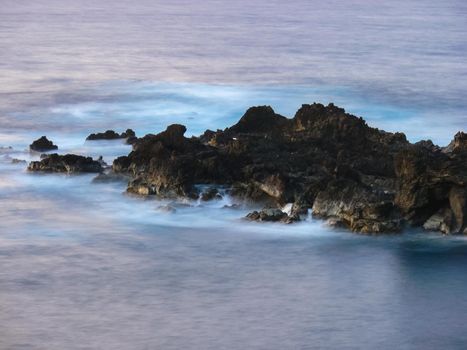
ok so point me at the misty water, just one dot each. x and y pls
(85, 266)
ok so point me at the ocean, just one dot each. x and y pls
(83, 265)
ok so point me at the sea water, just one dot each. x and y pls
(83, 265)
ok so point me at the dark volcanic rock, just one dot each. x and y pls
(112, 135)
(210, 194)
(458, 144)
(323, 158)
(272, 215)
(358, 207)
(69, 163)
(42, 145)
(430, 185)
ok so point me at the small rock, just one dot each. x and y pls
(69, 163)
(231, 206)
(111, 135)
(42, 145)
(440, 221)
(211, 194)
(272, 215)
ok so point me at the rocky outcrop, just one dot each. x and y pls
(458, 144)
(69, 163)
(432, 185)
(272, 215)
(210, 194)
(367, 179)
(129, 135)
(42, 145)
(357, 206)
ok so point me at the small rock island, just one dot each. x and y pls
(42, 144)
(129, 135)
(323, 159)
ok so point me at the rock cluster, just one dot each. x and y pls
(69, 163)
(42, 145)
(129, 135)
(324, 158)
(272, 215)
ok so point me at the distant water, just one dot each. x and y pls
(84, 266)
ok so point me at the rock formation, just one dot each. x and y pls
(42, 145)
(129, 135)
(367, 179)
(69, 163)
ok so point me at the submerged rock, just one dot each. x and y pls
(42, 145)
(323, 158)
(167, 209)
(69, 163)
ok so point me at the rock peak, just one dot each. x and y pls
(259, 119)
(42, 144)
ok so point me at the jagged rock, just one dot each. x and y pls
(267, 215)
(440, 221)
(428, 182)
(231, 206)
(112, 135)
(69, 163)
(272, 215)
(42, 145)
(211, 194)
(458, 206)
(322, 158)
(428, 144)
(458, 144)
(299, 209)
(358, 207)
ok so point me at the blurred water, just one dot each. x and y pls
(85, 266)
(407, 54)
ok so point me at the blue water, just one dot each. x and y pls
(85, 266)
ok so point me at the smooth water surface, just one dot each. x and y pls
(85, 266)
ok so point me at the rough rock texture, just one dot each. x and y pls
(42, 145)
(272, 215)
(69, 163)
(323, 158)
(210, 194)
(112, 135)
(458, 144)
(357, 206)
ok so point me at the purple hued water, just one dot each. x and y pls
(84, 266)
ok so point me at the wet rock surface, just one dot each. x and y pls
(366, 179)
(272, 215)
(210, 194)
(42, 145)
(69, 163)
